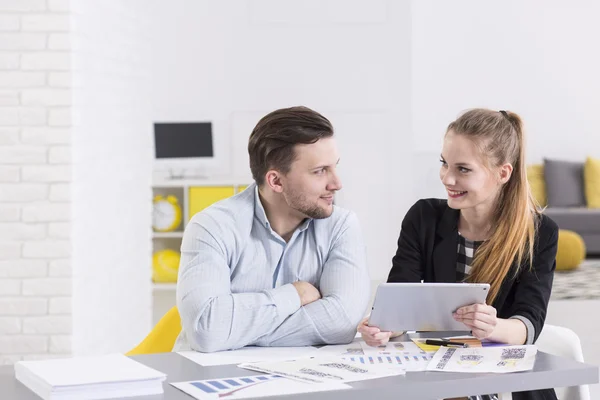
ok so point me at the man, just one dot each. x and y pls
(278, 264)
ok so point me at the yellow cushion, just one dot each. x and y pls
(591, 180)
(571, 250)
(535, 176)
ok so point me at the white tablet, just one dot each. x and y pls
(423, 306)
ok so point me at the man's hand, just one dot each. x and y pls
(373, 336)
(307, 292)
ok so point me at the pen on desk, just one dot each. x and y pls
(445, 343)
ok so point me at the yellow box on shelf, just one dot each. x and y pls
(203, 196)
(241, 188)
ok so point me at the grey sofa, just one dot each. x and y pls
(566, 199)
(584, 221)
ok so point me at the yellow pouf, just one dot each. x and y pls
(571, 250)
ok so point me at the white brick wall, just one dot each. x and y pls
(59, 79)
(47, 325)
(19, 306)
(9, 97)
(9, 213)
(60, 268)
(45, 136)
(9, 251)
(22, 41)
(60, 191)
(12, 268)
(35, 176)
(60, 306)
(9, 173)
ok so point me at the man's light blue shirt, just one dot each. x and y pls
(235, 278)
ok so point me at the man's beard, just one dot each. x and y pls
(298, 202)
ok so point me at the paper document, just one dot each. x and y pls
(393, 348)
(320, 370)
(353, 348)
(252, 386)
(249, 354)
(484, 359)
(406, 362)
(405, 355)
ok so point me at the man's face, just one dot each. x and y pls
(312, 181)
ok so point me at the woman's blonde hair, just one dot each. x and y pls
(500, 137)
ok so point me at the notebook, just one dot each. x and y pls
(89, 378)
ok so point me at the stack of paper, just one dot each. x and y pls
(102, 377)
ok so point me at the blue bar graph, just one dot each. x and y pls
(218, 384)
(397, 360)
(224, 387)
(203, 387)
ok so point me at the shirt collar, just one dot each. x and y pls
(259, 213)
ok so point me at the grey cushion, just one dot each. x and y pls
(564, 183)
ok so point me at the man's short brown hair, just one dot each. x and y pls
(272, 142)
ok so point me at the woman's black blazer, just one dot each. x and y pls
(428, 249)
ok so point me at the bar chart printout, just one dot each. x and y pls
(251, 386)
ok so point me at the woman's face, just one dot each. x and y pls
(469, 184)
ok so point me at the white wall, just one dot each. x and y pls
(112, 150)
(536, 58)
(349, 60)
(390, 75)
(35, 176)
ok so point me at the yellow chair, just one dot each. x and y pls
(162, 337)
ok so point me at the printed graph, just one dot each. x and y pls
(227, 387)
(254, 386)
(397, 360)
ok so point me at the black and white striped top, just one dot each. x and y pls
(466, 252)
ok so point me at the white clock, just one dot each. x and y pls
(166, 215)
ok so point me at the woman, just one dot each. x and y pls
(488, 230)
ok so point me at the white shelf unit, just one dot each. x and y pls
(191, 195)
(164, 286)
(165, 235)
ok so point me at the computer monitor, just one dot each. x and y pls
(185, 149)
